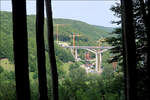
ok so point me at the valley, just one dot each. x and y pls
(78, 76)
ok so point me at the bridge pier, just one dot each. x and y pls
(74, 52)
(96, 50)
(98, 62)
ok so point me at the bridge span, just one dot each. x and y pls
(88, 47)
(94, 49)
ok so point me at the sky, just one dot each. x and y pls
(92, 12)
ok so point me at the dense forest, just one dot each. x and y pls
(74, 82)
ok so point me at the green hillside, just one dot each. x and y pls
(6, 51)
(91, 31)
(74, 82)
(89, 34)
(107, 29)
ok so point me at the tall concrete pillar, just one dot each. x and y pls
(98, 62)
(76, 54)
(101, 60)
(72, 51)
(100, 68)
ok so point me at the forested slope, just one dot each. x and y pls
(91, 31)
(74, 82)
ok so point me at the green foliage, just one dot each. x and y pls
(78, 75)
(34, 90)
(7, 90)
(7, 86)
(74, 82)
(141, 46)
(35, 75)
(6, 48)
(1, 69)
(91, 31)
(73, 66)
(116, 41)
(63, 54)
(79, 85)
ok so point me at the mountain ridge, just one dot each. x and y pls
(92, 32)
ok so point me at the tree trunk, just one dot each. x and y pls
(51, 50)
(148, 58)
(146, 20)
(41, 49)
(148, 51)
(124, 55)
(20, 46)
(129, 47)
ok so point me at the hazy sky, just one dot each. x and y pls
(92, 12)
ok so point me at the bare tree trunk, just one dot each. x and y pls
(129, 49)
(41, 49)
(51, 50)
(20, 49)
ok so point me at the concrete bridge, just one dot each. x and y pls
(88, 47)
(94, 49)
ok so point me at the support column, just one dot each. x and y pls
(76, 54)
(98, 62)
(101, 61)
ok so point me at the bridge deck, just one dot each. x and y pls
(88, 47)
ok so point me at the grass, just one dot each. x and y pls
(6, 65)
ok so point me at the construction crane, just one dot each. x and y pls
(57, 29)
(74, 37)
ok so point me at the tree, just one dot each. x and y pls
(129, 49)
(41, 49)
(145, 13)
(20, 46)
(141, 46)
(51, 50)
(148, 60)
(75, 85)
